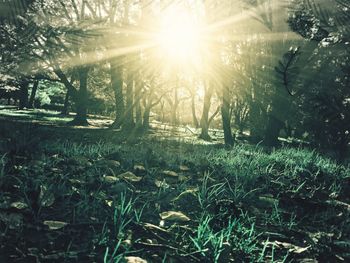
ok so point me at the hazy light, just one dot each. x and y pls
(179, 36)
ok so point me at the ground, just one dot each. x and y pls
(77, 194)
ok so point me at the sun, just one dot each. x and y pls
(179, 36)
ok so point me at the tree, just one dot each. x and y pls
(280, 106)
(204, 121)
(327, 97)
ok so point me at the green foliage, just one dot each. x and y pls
(237, 195)
(302, 20)
(286, 68)
(216, 245)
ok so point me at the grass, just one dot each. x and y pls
(245, 204)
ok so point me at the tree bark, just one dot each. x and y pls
(274, 126)
(32, 94)
(137, 98)
(82, 99)
(226, 118)
(204, 122)
(146, 115)
(257, 121)
(128, 122)
(23, 95)
(116, 74)
(66, 104)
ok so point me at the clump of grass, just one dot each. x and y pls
(238, 240)
(72, 149)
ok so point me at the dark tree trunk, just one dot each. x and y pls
(274, 126)
(23, 95)
(129, 123)
(257, 120)
(204, 122)
(226, 117)
(32, 94)
(66, 104)
(280, 107)
(146, 115)
(82, 99)
(116, 72)
(137, 97)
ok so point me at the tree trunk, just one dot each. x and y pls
(32, 94)
(257, 121)
(274, 126)
(66, 104)
(204, 122)
(193, 108)
(128, 122)
(82, 98)
(116, 72)
(146, 116)
(280, 108)
(226, 118)
(138, 111)
(23, 95)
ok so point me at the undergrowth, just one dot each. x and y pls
(243, 200)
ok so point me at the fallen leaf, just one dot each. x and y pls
(170, 173)
(108, 164)
(152, 227)
(109, 202)
(18, 205)
(174, 216)
(134, 260)
(160, 184)
(110, 179)
(138, 168)
(54, 225)
(184, 168)
(129, 176)
(291, 248)
(46, 197)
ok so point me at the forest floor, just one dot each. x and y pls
(77, 194)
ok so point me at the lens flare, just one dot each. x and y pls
(179, 36)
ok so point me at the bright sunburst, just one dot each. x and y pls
(179, 36)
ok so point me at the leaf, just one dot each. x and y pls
(184, 168)
(174, 216)
(160, 184)
(131, 259)
(139, 168)
(110, 179)
(54, 225)
(46, 197)
(291, 248)
(170, 173)
(19, 205)
(109, 202)
(129, 176)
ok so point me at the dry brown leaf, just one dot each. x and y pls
(54, 225)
